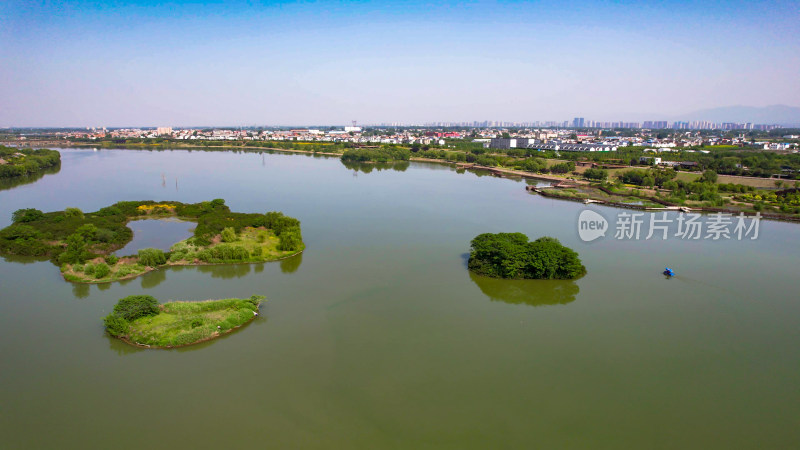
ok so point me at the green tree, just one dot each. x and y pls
(86, 231)
(595, 174)
(73, 212)
(709, 176)
(75, 252)
(511, 255)
(564, 167)
(116, 325)
(101, 270)
(151, 257)
(290, 240)
(135, 306)
(228, 235)
(104, 235)
(26, 215)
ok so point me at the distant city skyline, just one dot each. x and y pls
(139, 63)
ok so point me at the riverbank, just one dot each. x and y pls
(589, 194)
(763, 201)
(68, 274)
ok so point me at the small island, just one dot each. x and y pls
(83, 244)
(140, 320)
(512, 255)
(18, 162)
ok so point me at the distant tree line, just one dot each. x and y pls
(387, 154)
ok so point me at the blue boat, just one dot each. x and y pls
(668, 272)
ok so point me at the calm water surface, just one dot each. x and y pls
(156, 233)
(378, 337)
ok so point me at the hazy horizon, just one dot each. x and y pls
(137, 63)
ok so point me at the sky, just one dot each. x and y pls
(242, 63)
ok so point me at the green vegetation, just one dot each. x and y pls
(376, 154)
(704, 189)
(369, 167)
(140, 320)
(595, 174)
(16, 162)
(511, 255)
(564, 167)
(82, 243)
(152, 257)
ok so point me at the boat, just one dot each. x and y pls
(669, 272)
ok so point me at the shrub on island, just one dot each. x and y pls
(151, 257)
(512, 255)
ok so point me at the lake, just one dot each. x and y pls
(378, 337)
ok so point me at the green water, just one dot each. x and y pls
(378, 337)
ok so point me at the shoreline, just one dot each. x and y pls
(149, 269)
(503, 173)
(548, 193)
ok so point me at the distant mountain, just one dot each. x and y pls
(774, 114)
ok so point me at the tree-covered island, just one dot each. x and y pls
(512, 255)
(140, 320)
(82, 244)
(17, 162)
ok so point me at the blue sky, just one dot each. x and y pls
(142, 63)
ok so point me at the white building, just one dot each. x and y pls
(655, 160)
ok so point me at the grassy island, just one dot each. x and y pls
(16, 162)
(141, 320)
(82, 244)
(511, 255)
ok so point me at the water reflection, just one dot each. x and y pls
(260, 320)
(364, 167)
(226, 271)
(80, 290)
(537, 182)
(156, 233)
(527, 292)
(290, 265)
(154, 278)
(10, 183)
(104, 286)
(122, 348)
(23, 259)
